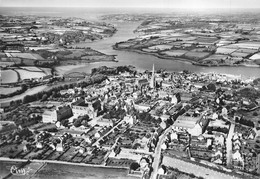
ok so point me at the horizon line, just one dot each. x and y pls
(130, 7)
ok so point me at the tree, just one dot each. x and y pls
(44, 97)
(77, 122)
(134, 166)
(54, 93)
(211, 87)
(97, 105)
(28, 99)
(86, 118)
(85, 123)
(192, 175)
(65, 122)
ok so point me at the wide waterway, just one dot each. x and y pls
(125, 32)
(144, 61)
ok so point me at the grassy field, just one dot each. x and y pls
(6, 91)
(175, 53)
(161, 47)
(23, 55)
(32, 68)
(226, 51)
(28, 75)
(196, 55)
(47, 71)
(6, 166)
(71, 171)
(8, 76)
(195, 169)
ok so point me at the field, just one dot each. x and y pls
(8, 76)
(255, 56)
(30, 91)
(216, 57)
(125, 45)
(75, 54)
(174, 53)
(193, 168)
(46, 70)
(73, 171)
(6, 91)
(207, 39)
(23, 55)
(243, 50)
(248, 45)
(161, 47)
(196, 55)
(226, 51)
(148, 50)
(32, 68)
(6, 61)
(6, 166)
(28, 75)
(63, 69)
(239, 54)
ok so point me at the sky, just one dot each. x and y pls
(193, 4)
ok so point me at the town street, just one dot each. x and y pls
(229, 144)
(111, 130)
(157, 153)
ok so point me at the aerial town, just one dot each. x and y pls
(127, 122)
(143, 121)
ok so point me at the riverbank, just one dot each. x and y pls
(185, 60)
(156, 55)
(61, 70)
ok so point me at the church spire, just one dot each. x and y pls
(152, 82)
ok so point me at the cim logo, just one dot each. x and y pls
(19, 171)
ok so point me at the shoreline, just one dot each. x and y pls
(63, 69)
(186, 60)
(154, 54)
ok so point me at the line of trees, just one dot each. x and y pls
(44, 95)
(53, 92)
(245, 122)
(17, 92)
(112, 70)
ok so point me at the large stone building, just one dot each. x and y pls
(57, 114)
(80, 107)
(193, 125)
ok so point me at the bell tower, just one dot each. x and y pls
(152, 82)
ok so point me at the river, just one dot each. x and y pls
(125, 32)
(144, 61)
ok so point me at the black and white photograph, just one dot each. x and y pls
(129, 89)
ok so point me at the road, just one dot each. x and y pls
(110, 150)
(229, 144)
(111, 130)
(4, 159)
(157, 153)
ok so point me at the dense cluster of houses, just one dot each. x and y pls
(120, 120)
